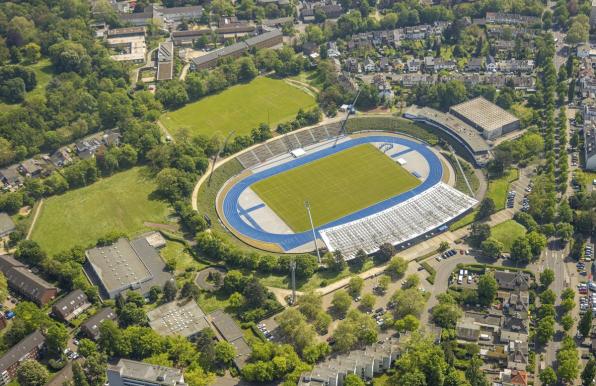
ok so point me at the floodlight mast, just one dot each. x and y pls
(222, 148)
(312, 226)
(293, 267)
(342, 129)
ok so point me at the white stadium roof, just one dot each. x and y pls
(400, 223)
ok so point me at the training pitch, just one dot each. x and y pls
(335, 186)
(241, 108)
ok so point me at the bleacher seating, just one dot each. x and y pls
(400, 223)
(286, 143)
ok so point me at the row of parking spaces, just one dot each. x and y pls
(452, 252)
(265, 331)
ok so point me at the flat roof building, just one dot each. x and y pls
(232, 333)
(126, 265)
(184, 318)
(165, 61)
(486, 117)
(457, 129)
(25, 282)
(132, 373)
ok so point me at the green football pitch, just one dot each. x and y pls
(335, 186)
(240, 108)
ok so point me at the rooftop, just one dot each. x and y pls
(21, 349)
(159, 375)
(6, 223)
(484, 114)
(178, 318)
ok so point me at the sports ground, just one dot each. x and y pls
(240, 108)
(120, 203)
(335, 186)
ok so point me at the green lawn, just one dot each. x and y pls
(335, 186)
(120, 203)
(240, 108)
(506, 232)
(497, 189)
(43, 71)
(175, 253)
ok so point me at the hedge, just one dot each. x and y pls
(432, 272)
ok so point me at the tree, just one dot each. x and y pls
(224, 353)
(521, 251)
(131, 314)
(548, 297)
(408, 302)
(478, 233)
(31, 373)
(386, 251)
(545, 330)
(568, 361)
(537, 242)
(446, 314)
(412, 281)
(30, 252)
(355, 286)
(547, 277)
(353, 380)
(95, 368)
(578, 31)
(486, 208)
(154, 293)
(492, 248)
(368, 302)
(31, 53)
(170, 290)
(548, 377)
(487, 289)
(341, 302)
(474, 373)
(589, 372)
(56, 340)
(397, 267)
(190, 290)
(585, 324)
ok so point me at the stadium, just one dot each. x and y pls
(347, 192)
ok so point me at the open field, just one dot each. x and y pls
(120, 203)
(506, 232)
(335, 186)
(240, 108)
(43, 72)
(497, 189)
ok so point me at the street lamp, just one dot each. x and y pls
(312, 227)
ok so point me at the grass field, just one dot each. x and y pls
(175, 254)
(120, 203)
(240, 108)
(506, 232)
(497, 189)
(335, 186)
(43, 71)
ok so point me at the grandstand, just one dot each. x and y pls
(287, 143)
(401, 223)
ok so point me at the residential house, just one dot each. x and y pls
(61, 157)
(385, 64)
(414, 65)
(517, 355)
(71, 306)
(475, 64)
(491, 64)
(509, 377)
(333, 51)
(31, 168)
(511, 18)
(467, 329)
(91, 326)
(25, 282)
(28, 348)
(6, 224)
(353, 65)
(369, 65)
(11, 177)
(188, 38)
(513, 280)
(516, 66)
(583, 50)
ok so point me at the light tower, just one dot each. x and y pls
(312, 226)
(293, 268)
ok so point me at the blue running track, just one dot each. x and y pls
(233, 211)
